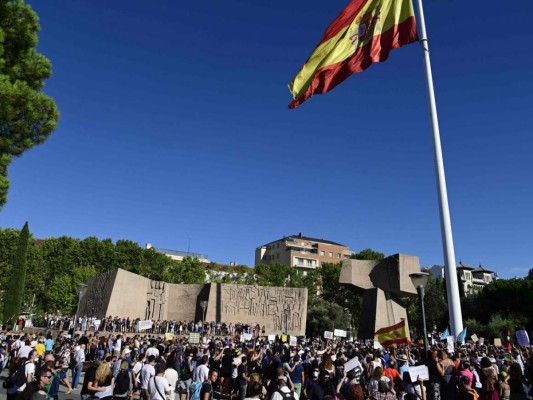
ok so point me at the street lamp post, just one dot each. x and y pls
(287, 313)
(420, 281)
(203, 304)
(81, 288)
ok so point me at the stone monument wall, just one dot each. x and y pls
(125, 294)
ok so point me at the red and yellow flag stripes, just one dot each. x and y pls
(363, 33)
(392, 334)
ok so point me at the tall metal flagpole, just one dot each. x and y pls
(452, 288)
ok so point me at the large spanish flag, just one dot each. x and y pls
(392, 334)
(363, 33)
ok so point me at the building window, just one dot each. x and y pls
(277, 255)
(331, 254)
(322, 253)
(338, 255)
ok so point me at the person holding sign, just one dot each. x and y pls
(349, 387)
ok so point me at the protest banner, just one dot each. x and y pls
(271, 338)
(474, 338)
(450, 344)
(497, 341)
(194, 338)
(339, 333)
(522, 338)
(169, 336)
(284, 338)
(293, 341)
(145, 324)
(419, 371)
(353, 363)
(247, 336)
(328, 335)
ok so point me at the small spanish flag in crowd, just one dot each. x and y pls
(392, 334)
(363, 33)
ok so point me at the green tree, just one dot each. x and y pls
(189, 270)
(27, 115)
(15, 289)
(325, 316)
(368, 254)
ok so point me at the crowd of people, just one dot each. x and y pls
(225, 367)
(131, 325)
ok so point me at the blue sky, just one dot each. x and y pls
(175, 130)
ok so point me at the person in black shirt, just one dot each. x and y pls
(206, 393)
(90, 379)
(242, 377)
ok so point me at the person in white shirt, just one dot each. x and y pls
(158, 386)
(201, 373)
(152, 351)
(283, 390)
(171, 375)
(147, 373)
(24, 349)
(29, 369)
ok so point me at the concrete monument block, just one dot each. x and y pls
(382, 282)
(125, 294)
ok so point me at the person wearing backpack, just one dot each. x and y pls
(206, 392)
(35, 390)
(283, 392)
(123, 387)
(25, 371)
(489, 379)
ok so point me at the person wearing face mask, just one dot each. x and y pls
(322, 387)
(311, 380)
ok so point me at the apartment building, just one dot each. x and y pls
(302, 252)
(473, 280)
(179, 255)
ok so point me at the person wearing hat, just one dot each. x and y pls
(403, 364)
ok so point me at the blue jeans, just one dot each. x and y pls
(77, 375)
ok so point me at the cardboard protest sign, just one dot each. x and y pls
(271, 338)
(328, 335)
(194, 338)
(339, 333)
(497, 342)
(419, 371)
(450, 344)
(474, 338)
(353, 363)
(247, 336)
(169, 336)
(293, 341)
(145, 324)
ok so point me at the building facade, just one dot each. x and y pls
(301, 252)
(473, 280)
(179, 255)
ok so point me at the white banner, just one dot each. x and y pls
(328, 335)
(145, 324)
(293, 341)
(271, 338)
(450, 343)
(247, 336)
(353, 363)
(194, 338)
(419, 371)
(339, 333)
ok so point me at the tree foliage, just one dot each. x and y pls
(325, 316)
(15, 288)
(368, 254)
(27, 115)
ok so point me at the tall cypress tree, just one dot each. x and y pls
(15, 290)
